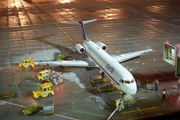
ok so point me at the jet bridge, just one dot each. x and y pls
(171, 55)
(170, 52)
(177, 71)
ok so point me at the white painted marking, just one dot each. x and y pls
(143, 98)
(2, 103)
(72, 77)
(38, 55)
(99, 101)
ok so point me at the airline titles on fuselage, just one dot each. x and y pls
(111, 69)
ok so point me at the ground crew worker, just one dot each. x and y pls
(102, 74)
(164, 93)
(138, 85)
(156, 84)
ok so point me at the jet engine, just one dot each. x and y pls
(102, 45)
(80, 48)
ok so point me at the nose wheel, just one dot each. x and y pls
(119, 104)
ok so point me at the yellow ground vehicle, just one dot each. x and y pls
(60, 56)
(50, 76)
(93, 81)
(44, 91)
(27, 63)
(6, 95)
(106, 87)
(31, 109)
(45, 74)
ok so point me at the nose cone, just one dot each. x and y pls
(133, 90)
(130, 89)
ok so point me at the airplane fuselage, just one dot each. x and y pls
(114, 70)
(109, 65)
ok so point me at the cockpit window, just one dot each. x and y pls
(127, 81)
(122, 81)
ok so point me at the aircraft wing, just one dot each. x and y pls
(131, 55)
(78, 63)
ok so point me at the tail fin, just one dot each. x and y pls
(82, 26)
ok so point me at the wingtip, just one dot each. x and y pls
(150, 50)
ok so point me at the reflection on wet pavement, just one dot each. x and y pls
(28, 27)
(25, 13)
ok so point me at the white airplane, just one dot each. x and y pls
(109, 65)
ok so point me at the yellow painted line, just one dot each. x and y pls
(149, 108)
(140, 111)
(62, 29)
(130, 111)
(59, 26)
(117, 87)
(125, 95)
(158, 114)
(113, 92)
(129, 99)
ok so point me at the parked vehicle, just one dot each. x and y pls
(27, 63)
(44, 91)
(31, 109)
(50, 76)
(48, 107)
(6, 95)
(107, 87)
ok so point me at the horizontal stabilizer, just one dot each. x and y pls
(82, 26)
(88, 21)
(78, 23)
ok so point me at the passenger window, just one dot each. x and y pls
(127, 82)
(45, 89)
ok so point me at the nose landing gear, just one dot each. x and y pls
(119, 104)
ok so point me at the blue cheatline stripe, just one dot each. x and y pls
(83, 30)
(103, 68)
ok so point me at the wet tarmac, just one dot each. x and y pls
(30, 28)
